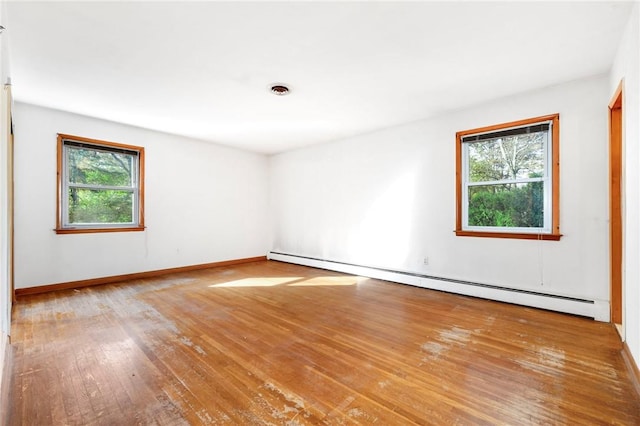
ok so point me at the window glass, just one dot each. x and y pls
(91, 206)
(513, 157)
(91, 166)
(511, 205)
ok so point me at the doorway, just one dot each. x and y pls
(615, 206)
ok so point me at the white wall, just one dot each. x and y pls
(627, 66)
(203, 203)
(387, 199)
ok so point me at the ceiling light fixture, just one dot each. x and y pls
(279, 89)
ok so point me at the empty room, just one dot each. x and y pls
(317, 212)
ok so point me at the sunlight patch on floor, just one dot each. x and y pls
(326, 281)
(257, 282)
(289, 282)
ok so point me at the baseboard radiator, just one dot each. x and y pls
(596, 309)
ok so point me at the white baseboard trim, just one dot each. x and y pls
(596, 309)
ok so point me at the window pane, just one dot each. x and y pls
(93, 167)
(510, 205)
(100, 206)
(511, 157)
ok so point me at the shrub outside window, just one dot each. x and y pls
(100, 186)
(508, 180)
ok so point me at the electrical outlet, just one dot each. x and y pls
(425, 261)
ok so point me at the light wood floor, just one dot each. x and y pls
(271, 343)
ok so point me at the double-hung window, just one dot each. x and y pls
(100, 186)
(508, 180)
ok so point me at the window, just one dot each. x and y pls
(100, 186)
(508, 180)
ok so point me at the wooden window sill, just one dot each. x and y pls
(511, 235)
(97, 230)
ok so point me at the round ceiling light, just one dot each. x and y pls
(279, 89)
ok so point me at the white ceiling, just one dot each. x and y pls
(203, 69)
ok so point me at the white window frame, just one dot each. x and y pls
(546, 179)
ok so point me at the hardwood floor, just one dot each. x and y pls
(272, 343)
